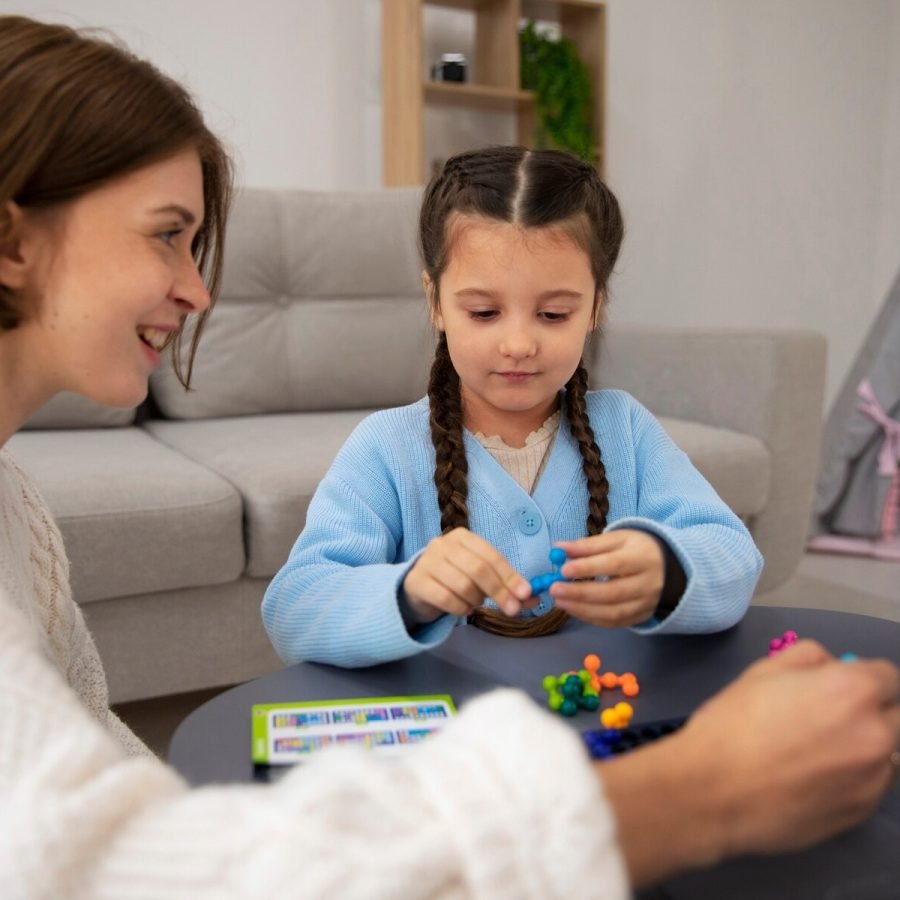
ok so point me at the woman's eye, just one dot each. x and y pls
(168, 237)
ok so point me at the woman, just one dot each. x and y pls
(111, 219)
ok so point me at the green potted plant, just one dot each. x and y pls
(563, 93)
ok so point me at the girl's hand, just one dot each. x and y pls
(454, 575)
(634, 565)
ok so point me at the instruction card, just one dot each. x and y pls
(287, 733)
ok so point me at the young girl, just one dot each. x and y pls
(431, 508)
(112, 195)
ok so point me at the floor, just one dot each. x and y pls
(822, 581)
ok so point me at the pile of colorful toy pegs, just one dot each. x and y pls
(571, 691)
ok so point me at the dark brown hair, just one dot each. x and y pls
(531, 189)
(80, 111)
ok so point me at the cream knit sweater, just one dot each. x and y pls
(503, 804)
(34, 575)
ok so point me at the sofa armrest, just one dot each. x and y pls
(766, 383)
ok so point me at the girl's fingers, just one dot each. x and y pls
(488, 571)
(616, 590)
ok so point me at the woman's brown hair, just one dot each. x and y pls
(80, 111)
(531, 189)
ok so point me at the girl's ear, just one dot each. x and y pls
(14, 260)
(434, 310)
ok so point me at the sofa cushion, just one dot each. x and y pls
(135, 515)
(67, 410)
(318, 291)
(276, 462)
(737, 465)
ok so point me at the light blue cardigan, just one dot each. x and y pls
(336, 598)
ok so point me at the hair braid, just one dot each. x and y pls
(451, 466)
(592, 462)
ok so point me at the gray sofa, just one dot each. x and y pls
(176, 517)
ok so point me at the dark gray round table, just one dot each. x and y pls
(676, 674)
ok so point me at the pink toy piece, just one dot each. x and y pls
(788, 639)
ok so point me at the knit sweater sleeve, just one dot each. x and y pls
(336, 599)
(678, 505)
(503, 804)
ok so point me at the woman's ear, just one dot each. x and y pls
(14, 257)
(598, 317)
(434, 309)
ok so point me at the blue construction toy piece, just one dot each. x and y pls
(541, 583)
(607, 742)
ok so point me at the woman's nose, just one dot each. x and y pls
(189, 290)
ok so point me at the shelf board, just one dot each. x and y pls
(548, 9)
(476, 95)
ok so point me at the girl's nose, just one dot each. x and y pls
(518, 343)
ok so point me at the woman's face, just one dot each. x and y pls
(114, 279)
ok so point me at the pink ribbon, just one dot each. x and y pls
(888, 456)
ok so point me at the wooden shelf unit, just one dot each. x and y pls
(405, 90)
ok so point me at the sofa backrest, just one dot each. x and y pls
(321, 308)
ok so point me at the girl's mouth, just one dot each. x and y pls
(517, 377)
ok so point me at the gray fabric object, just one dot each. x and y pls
(851, 494)
(737, 464)
(765, 384)
(135, 515)
(330, 315)
(275, 462)
(74, 411)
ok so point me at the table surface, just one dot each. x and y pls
(676, 674)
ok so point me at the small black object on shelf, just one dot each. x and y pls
(452, 67)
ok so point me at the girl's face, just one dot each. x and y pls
(516, 306)
(113, 276)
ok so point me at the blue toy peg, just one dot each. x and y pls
(541, 583)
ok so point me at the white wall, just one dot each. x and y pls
(755, 146)
(292, 85)
(756, 150)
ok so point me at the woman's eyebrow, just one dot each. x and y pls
(185, 214)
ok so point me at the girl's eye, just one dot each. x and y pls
(555, 316)
(482, 315)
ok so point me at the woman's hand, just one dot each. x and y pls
(633, 565)
(801, 746)
(454, 575)
(793, 752)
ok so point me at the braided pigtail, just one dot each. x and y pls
(592, 463)
(451, 466)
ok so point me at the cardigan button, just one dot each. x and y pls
(529, 522)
